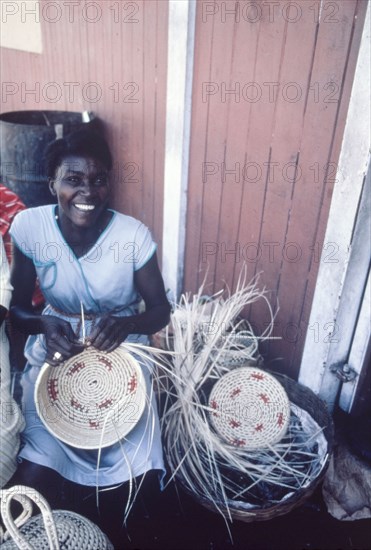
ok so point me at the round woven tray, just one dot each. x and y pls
(93, 399)
(304, 398)
(250, 408)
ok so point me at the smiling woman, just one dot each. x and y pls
(75, 249)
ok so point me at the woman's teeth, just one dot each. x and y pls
(85, 207)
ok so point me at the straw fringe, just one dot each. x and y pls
(204, 332)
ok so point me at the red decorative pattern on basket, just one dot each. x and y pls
(238, 442)
(133, 383)
(257, 376)
(214, 405)
(94, 424)
(53, 388)
(264, 397)
(234, 423)
(76, 405)
(106, 362)
(76, 368)
(105, 404)
(253, 408)
(235, 392)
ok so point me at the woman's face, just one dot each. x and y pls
(82, 188)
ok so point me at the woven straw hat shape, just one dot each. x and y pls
(251, 408)
(93, 399)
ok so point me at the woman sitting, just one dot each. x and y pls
(84, 255)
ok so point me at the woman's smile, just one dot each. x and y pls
(85, 207)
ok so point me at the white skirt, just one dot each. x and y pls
(139, 452)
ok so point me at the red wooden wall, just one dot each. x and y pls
(270, 97)
(109, 58)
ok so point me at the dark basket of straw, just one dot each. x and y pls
(306, 399)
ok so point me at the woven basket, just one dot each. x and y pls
(93, 399)
(57, 530)
(251, 408)
(244, 348)
(304, 398)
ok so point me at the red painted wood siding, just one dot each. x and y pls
(270, 97)
(110, 59)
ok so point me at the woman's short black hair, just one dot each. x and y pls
(83, 142)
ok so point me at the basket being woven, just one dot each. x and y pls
(301, 397)
(50, 530)
(243, 348)
(250, 408)
(93, 399)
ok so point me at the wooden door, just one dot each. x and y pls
(270, 96)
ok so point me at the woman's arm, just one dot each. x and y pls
(112, 331)
(23, 278)
(58, 333)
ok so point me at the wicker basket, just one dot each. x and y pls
(94, 399)
(236, 400)
(304, 398)
(57, 530)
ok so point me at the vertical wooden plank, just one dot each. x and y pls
(290, 95)
(159, 123)
(229, 249)
(271, 44)
(199, 134)
(221, 59)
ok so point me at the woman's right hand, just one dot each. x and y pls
(60, 339)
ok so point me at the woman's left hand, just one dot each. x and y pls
(109, 333)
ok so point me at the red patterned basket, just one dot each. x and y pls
(93, 399)
(250, 408)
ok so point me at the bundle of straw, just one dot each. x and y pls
(203, 334)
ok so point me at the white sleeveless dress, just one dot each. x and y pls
(103, 280)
